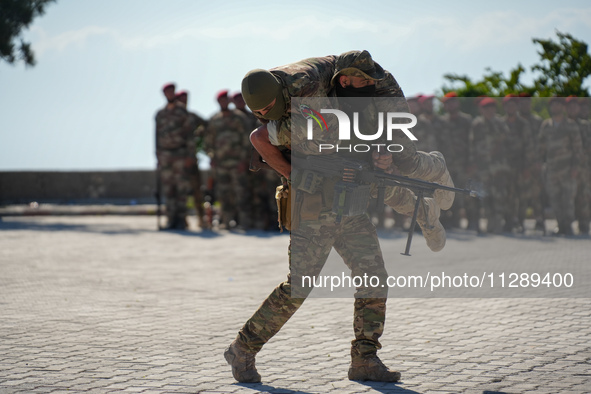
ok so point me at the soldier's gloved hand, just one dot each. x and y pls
(382, 161)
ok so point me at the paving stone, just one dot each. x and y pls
(108, 304)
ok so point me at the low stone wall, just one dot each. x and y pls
(77, 187)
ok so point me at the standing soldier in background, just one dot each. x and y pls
(175, 152)
(491, 148)
(413, 105)
(193, 169)
(537, 194)
(560, 150)
(519, 160)
(429, 127)
(261, 184)
(456, 147)
(583, 196)
(225, 140)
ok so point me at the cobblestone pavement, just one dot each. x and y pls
(108, 304)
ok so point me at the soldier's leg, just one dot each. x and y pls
(243, 199)
(183, 186)
(403, 200)
(308, 253)
(560, 193)
(169, 190)
(359, 247)
(429, 167)
(225, 195)
(583, 203)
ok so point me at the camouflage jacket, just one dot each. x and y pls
(312, 78)
(491, 146)
(175, 131)
(523, 152)
(560, 145)
(455, 144)
(226, 138)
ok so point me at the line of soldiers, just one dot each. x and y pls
(247, 199)
(522, 162)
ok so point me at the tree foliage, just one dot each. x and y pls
(16, 15)
(562, 70)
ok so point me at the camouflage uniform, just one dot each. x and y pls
(354, 237)
(175, 144)
(262, 186)
(430, 131)
(535, 193)
(560, 149)
(583, 196)
(489, 155)
(226, 138)
(455, 145)
(520, 160)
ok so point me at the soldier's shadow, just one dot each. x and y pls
(390, 388)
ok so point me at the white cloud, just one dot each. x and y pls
(493, 30)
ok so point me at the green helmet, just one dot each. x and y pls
(259, 89)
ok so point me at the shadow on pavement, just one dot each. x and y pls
(265, 388)
(391, 388)
(93, 228)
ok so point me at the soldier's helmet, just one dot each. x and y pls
(358, 64)
(259, 89)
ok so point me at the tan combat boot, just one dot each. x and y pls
(403, 200)
(370, 367)
(428, 221)
(242, 362)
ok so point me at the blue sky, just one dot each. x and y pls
(90, 101)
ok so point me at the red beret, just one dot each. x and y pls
(486, 101)
(449, 95)
(524, 94)
(424, 98)
(236, 95)
(221, 94)
(571, 99)
(168, 86)
(181, 94)
(509, 97)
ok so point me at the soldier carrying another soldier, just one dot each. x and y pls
(268, 94)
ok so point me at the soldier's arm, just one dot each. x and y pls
(269, 152)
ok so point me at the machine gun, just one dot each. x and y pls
(353, 190)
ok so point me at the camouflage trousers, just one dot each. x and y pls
(500, 201)
(176, 186)
(562, 189)
(232, 192)
(356, 241)
(583, 201)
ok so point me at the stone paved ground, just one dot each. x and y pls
(108, 304)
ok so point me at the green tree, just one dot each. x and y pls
(492, 84)
(564, 66)
(16, 15)
(562, 70)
